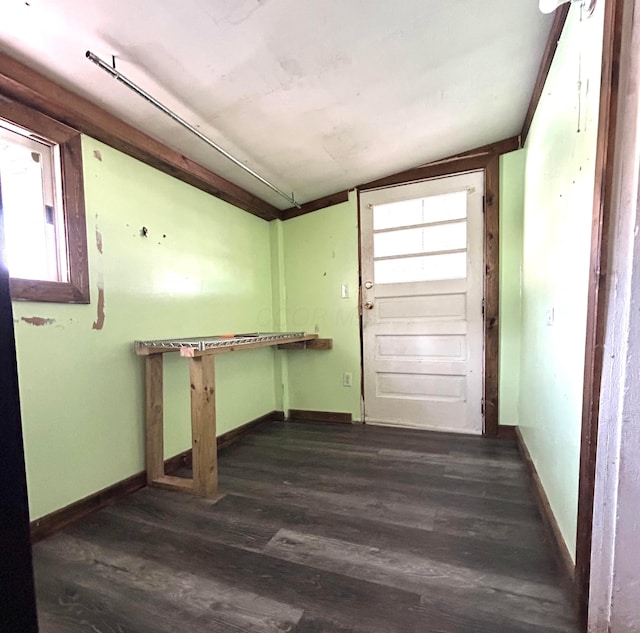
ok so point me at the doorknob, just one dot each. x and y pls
(368, 305)
(368, 285)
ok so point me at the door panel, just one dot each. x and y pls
(422, 254)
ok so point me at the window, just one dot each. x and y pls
(42, 206)
(421, 240)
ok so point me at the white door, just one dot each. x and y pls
(422, 288)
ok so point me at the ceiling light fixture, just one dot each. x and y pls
(549, 6)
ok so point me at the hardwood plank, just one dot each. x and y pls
(527, 560)
(492, 529)
(393, 477)
(397, 513)
(179, 513)
(446, 494)
(359, 443)
(330, 528)
(492, 610)
(410, 572)
(502, 461)
(203, 426)
(310, 589)
(154, 418)
(426, 442)
(155, 596)
(485, 472)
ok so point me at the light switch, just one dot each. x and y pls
(345, 291)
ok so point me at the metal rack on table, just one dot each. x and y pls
(201, 352)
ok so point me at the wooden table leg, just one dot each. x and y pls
(203, 426)
(154, 418)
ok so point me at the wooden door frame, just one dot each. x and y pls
(603, 205)
(488, 162)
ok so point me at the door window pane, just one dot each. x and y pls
(428, 239)
(425, 268)
(448, 206)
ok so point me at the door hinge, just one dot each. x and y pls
(482, 307)
(482, 406)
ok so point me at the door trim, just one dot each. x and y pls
(491, 376)
(599, 273)
(490, 165)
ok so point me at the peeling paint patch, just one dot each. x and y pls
(38, 321)
(98, 236)
(97, 154)
(98, 324)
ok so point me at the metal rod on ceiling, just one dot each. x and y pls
(178, 119)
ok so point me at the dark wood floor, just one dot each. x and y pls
(324, 529)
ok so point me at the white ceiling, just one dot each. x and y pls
(316, 95)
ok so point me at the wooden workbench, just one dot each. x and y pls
(201, 353)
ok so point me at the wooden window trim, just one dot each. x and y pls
(76, 290)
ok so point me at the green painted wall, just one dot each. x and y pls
(320, 254)
(203, 269)
(208, 267)
(512, 168)
(557, 229)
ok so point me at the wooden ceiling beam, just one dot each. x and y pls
(476, 158)
(314, 205)
(32, 88)
(498, 148)
(435, 170)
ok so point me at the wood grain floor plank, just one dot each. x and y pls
(410, 439)
(272, 578)
(402, 479)
(179, 517)
(443, 493)
(415, 574)
(160, 592)
(528, 560)
(323, 529)
(417, 515)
